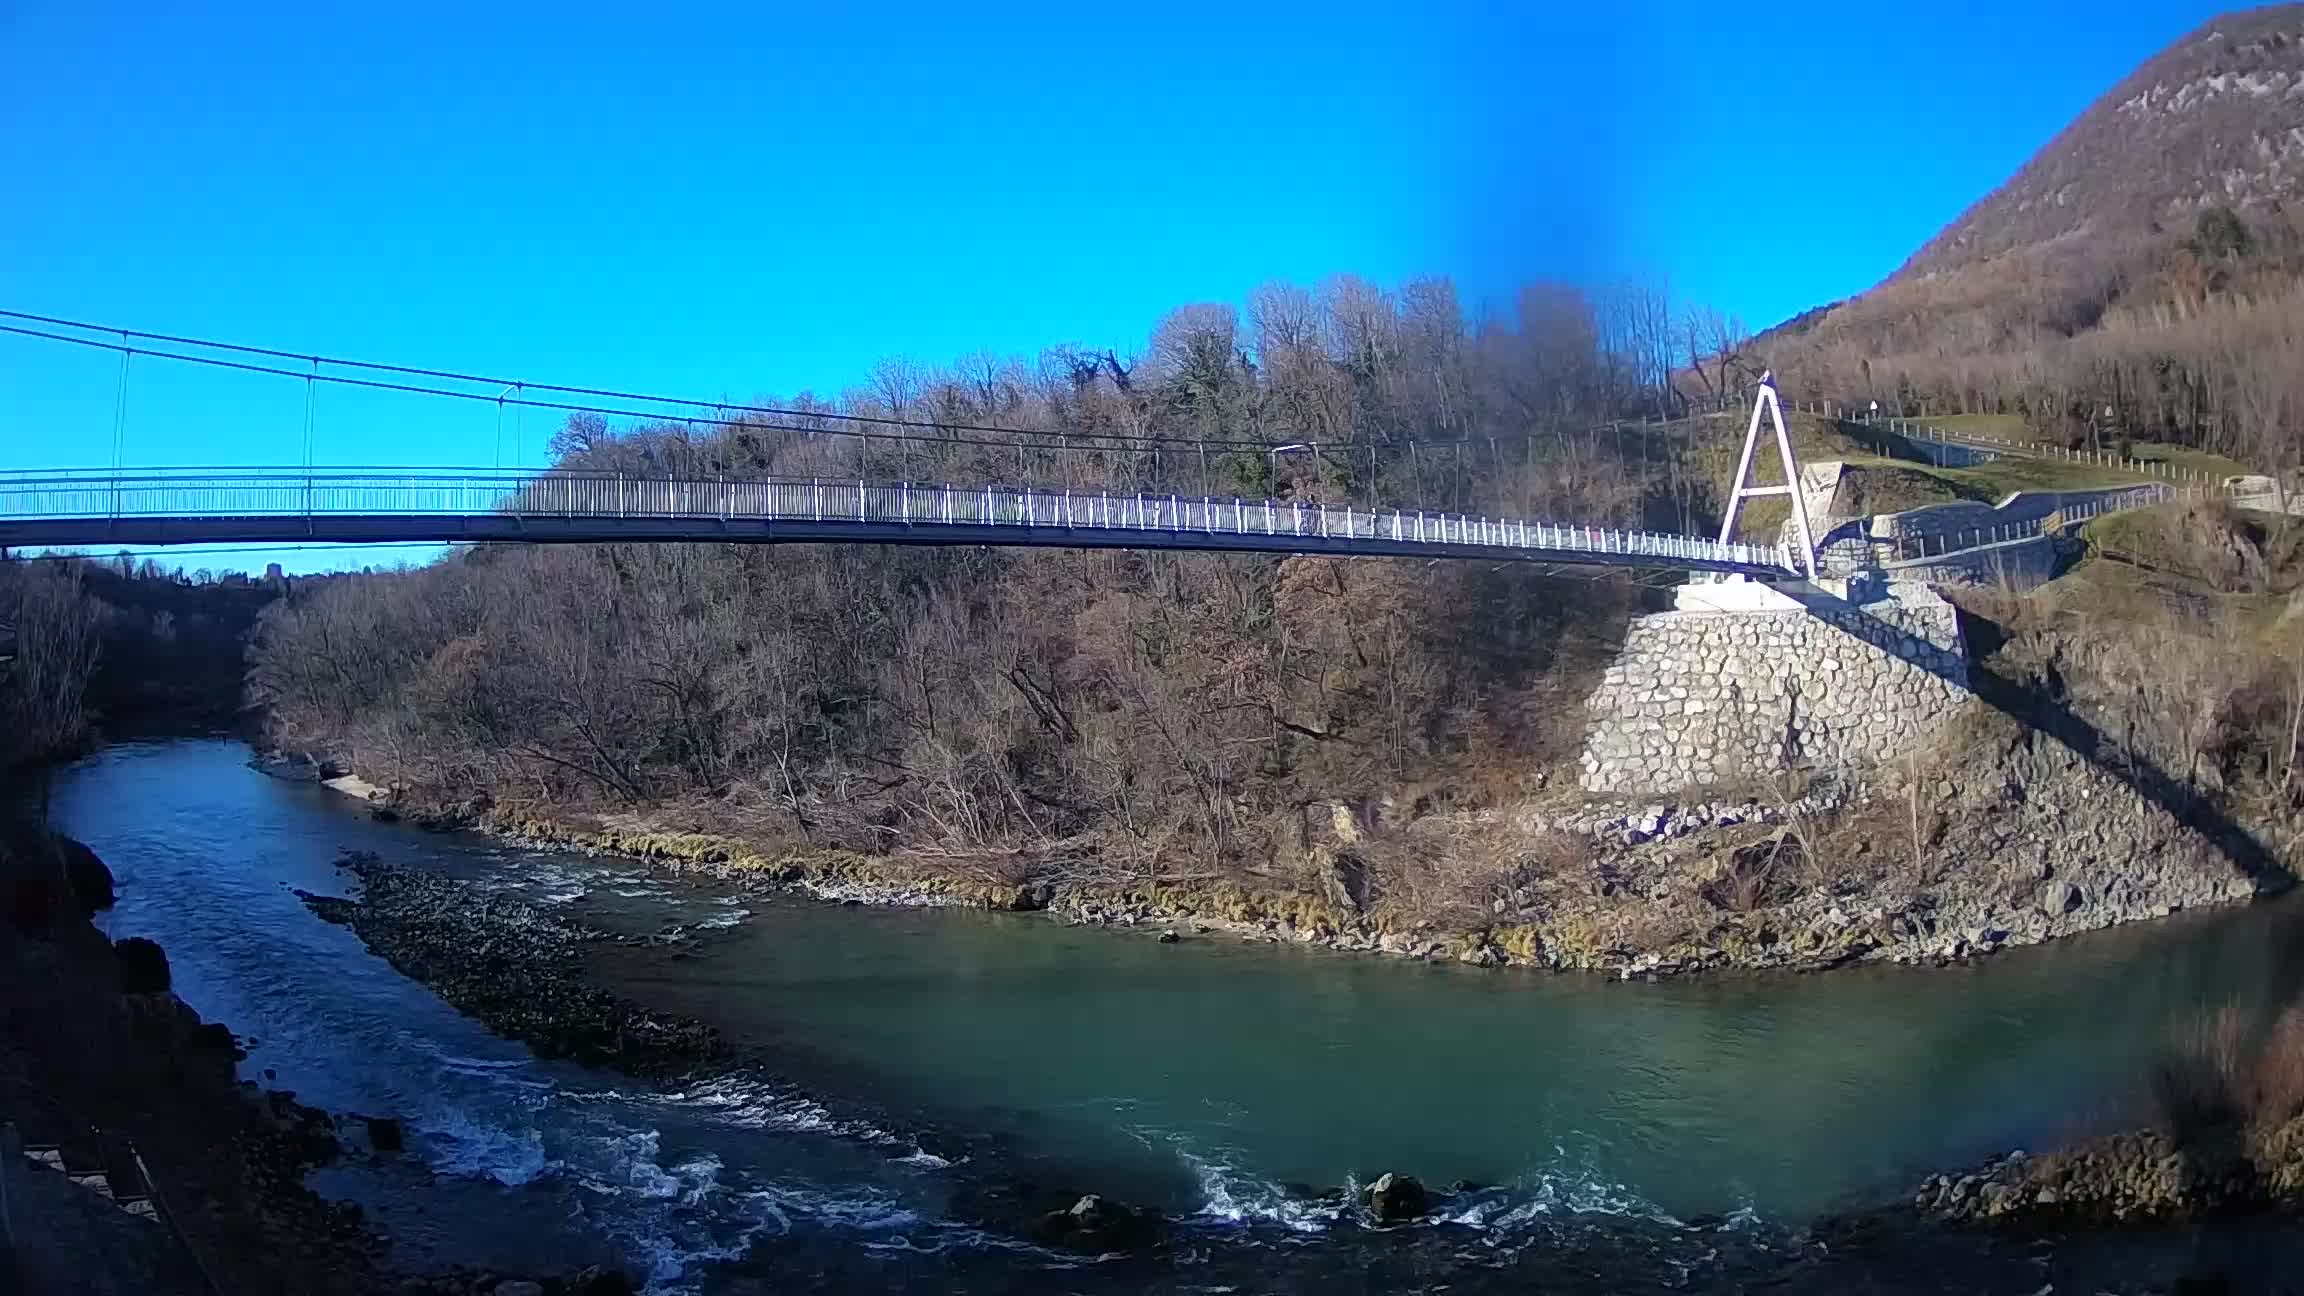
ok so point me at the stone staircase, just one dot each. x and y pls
(107, 1167)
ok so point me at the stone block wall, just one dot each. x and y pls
(1700, 698)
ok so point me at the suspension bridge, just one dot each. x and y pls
(372, 505)
(124, 505)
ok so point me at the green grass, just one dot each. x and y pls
(2196, 541)
(1997, 427)
(1995, 481)
(2012, 428)
(1876, 484)
(2134, 533)
(2100, 586)
(2216, 466)
(1882, 483)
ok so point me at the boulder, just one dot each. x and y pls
(143, 966)
(1343, 879)
(1396, 1198)
(1100, 1225)
(1030, 897)
(208, 1056)
(2059, 897)
(1482, 955)
(90, 880)
(599, 1281)
(386, 1134)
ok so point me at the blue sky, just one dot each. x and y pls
(737, 200)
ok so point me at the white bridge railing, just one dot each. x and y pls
(872, 507)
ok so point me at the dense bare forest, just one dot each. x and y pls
(1123, 707)
(48, 649)
(117, 646)
(2191, 337)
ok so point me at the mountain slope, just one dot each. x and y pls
(2217, 119)
(2141, 278)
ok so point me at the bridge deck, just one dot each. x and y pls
(385, 505)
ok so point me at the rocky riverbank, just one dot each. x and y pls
(2136, 1177)
(2004, 837)
(101, 1061)
(515, 968)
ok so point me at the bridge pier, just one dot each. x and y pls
(1744, 680)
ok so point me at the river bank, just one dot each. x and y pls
(515, 969)
(1956, 1225)
(102, 1062)
(2003, 837)
(1691, 1134)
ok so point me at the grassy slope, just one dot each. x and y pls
(2155, 556)
(2010, 427)
(1879, 483)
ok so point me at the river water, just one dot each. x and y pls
(1672, 1135)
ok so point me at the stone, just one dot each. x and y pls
(1168, 936)
(2059, 897)
(1100, 1225)
(385, 1134)
(90, 880)
(143, 966)
(1396, 1198)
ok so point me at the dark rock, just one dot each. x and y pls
(598, 1281)
(516, 968)
(1098, 1225)
(1031, 897)
(143, 967)
(214, 1040)
(386, 1134)
(2058, 898)
(1169, 937)
(1345, 882)
(90, 880)
(1396, 1198)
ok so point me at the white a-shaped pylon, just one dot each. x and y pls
(1766, 404)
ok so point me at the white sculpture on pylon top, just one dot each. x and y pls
(1766, 403)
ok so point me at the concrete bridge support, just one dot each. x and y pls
(1745, 681)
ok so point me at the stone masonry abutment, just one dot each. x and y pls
(1746, 681)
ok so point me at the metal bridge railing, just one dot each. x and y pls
(1938, 544)
(384, 492)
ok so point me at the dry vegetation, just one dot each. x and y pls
(116, 646)
(2137, 281)
(1130, 714)
(2178, 644)
(48, 649)
(2185, 341)
(2228, 1069)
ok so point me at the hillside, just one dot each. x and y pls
(2217, 119)
(2141, 279)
